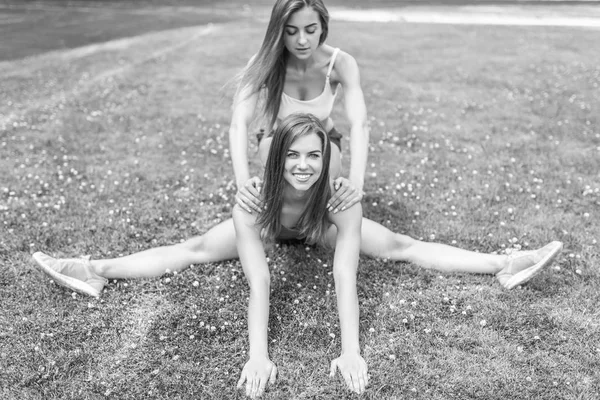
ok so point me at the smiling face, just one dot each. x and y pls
(302, 33)
(304, 162)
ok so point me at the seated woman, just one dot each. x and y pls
(296, 189)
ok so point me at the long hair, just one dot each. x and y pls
(312, 223)
(267, 69)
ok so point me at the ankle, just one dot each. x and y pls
(503, 263)
(99, 268)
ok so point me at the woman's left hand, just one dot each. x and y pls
(353, 369)
(345, 196)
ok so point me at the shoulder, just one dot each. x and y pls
(348, 219)
(242, 217)
(345, 67)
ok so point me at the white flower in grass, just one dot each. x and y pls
(483, 322)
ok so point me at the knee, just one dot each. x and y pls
(194, 245)
(397, 246)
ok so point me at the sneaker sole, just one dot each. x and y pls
(521, 277)
(64, 280)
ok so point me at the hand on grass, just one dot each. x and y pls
(353, 369)
(345, 195)
(248, 195)
(257, 373)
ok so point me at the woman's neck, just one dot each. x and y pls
(294, 197)
(304, 65)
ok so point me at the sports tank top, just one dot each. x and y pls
(321, 106)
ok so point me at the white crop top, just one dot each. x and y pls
(321, 106)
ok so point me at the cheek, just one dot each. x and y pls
(318, 166)
(287, 166)
(287, 41)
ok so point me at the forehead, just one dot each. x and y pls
(304, 17)
(307, 143)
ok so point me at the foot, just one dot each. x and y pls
(76, 273)
(524, 265)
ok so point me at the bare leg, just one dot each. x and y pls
(215, 245)
(379, 241)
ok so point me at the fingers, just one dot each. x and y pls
(248, 195)
(355, 376)
(349, 202)
(241, 380)
(256, 379)
(345, 196)
(261, 387)
(247, 201)
(254, 387)
(273, 376)
(332, 368)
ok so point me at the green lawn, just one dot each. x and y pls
(483, 137)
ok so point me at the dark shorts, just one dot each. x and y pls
(334, 136)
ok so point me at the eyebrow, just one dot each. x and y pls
(310, 152)
(295, 27)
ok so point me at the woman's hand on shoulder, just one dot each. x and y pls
(345, 195)
(248, 195)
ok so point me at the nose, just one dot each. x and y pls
(302, 38)
(302, 163)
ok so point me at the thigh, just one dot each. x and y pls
(217, 244)
(375, 240)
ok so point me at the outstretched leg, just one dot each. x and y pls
(378, 241)
(511, 270)
(217, 244)
(89, 276)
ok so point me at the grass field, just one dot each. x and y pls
(483, 137)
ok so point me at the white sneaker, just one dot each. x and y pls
(524, 265)
(76, 273)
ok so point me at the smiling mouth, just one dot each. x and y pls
(302, 177)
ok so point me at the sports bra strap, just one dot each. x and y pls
(335, 53)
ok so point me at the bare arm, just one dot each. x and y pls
(345, 264)
(259, 370)
(350, 192)
(244, 106)
(356, 112)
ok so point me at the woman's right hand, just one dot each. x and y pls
(248, 195)
(257, 372)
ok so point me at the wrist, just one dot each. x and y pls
(258, 354)
(351, 350)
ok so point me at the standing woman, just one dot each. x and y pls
(296, 71)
